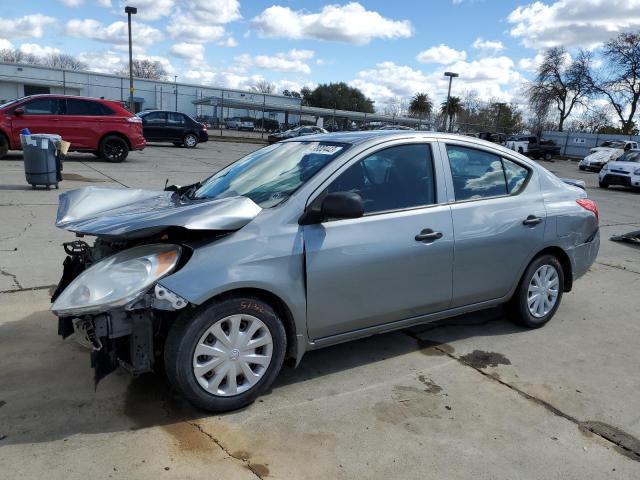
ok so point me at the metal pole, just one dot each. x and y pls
(131, 107)
(64, 82)
(175, 80)
(161, 94)
(447, 113)
(221, 110)
(264, 101)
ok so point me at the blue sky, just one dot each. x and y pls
(389, 49)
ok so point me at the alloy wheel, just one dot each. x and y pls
(542, 293)
(114, 149)
(232, 355)
(190, 141)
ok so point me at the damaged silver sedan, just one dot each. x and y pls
(312, 242)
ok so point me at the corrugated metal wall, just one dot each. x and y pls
(575, 144)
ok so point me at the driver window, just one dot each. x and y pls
(391, 179)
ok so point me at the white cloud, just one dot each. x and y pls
(25, 27)
(492, 77)
(185, 28)
(441, 54)
(104, 3)
(72, 3)
(192, 52)
(103, 62)
(5, 44)
(530, 64)
(585, 23)
(228, 42)
(116, 33)
(350, 23)
(291, 61)
(222, 78)
(489, 45)
(37, 50)
(218, 11)
(151, 9)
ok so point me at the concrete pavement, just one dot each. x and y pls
(473, 396)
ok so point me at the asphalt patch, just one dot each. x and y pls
(481, 359)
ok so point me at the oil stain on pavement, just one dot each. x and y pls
(480, 359)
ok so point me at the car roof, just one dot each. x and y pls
(55, 95)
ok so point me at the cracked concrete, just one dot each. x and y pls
(470, 396)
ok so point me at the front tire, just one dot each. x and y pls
(548, 157)
(114, 149)
(539, 293)
(4, 146)
(226, 354)
(190, 140)
(603, 185)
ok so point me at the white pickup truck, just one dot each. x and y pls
(531, 146)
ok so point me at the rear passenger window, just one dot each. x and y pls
(175, 119)
(86, 107)
(391, 179)
(480, 174)
(155, 118)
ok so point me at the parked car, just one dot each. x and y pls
(295, 132)
(239, 124)
(311, 242)
(103, 127)
(534, 147)
(395, 127)
(610, 150)
(175, 127)
(624, 171)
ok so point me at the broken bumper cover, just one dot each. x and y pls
(122, 337)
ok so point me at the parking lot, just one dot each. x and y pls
(470, 397)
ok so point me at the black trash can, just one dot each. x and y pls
(42, 159)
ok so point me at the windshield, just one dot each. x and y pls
(613, 144)
(629, 157)
(272, 174)
(12, 102)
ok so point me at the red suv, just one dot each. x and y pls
(103, 127)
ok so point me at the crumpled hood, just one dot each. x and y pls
(134, 213)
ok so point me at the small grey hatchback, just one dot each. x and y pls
(310, 242)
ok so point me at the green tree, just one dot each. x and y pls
(455, 108)
(339, 96)
(420, 106)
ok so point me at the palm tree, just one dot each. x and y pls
(420, 106)
(455, 107)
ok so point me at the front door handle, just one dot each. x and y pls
(532, 220)
(427, 235)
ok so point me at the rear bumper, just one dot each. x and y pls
(138, 143)
(582, 256)
(203, 137)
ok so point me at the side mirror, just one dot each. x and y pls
(18, 111)
(337, 205)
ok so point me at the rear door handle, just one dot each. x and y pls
(427, 235)
(532, 220)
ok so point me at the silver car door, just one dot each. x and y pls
(393, 263)
(499, 220)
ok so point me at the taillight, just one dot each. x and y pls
(590, 205)
(204, 127)
(134, 120)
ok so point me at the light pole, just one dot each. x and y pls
(130, 11)
(500, 105)
(451, 76)
(175, 81)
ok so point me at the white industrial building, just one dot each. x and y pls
(18, 80)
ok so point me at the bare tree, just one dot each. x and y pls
(561, 82)
(13, 55)
(151, 69)
(263, 86)
(396, 107)
(64, 61)
(621, 84)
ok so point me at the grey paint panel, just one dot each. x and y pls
(105, 211)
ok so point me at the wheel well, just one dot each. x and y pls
(564, 260)
(115, 134)
(280, 308)
(5, 137)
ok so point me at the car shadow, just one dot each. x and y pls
(51, 396)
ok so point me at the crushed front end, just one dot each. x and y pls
(127, 330)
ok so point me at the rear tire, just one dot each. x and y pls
(186, 371)
(580, 167)
(548, 157)
(114, 149)
(539, 293)
(603, 185)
